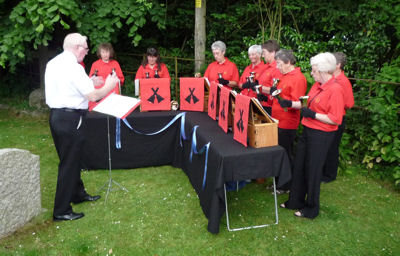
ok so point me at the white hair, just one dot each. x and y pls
(255, 49)
(218, 45)
(73, 39)
(325, 62)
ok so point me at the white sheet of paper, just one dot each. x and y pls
(117, 105)
(136, 87)
(208, 82)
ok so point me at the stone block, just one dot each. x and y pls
(20, 198)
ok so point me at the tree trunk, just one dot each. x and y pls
(43, 54)
(199, 34)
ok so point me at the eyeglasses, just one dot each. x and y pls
(85, 48)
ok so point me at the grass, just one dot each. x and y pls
(161, 215)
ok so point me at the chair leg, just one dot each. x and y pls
(256, 226)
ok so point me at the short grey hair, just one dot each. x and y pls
(286, 56)
(255, 48)
(325, 62)
(340, 59)
(218, 45)
(73, 39)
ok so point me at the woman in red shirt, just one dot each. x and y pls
(222, 70)
(104, 66)
(151, 66)
(321, 119)
(269, 49)
(332, 161)
(249, 79)
(293, 85)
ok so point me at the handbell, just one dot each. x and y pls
(174, 105)
(276, 95)
(251, 77)
(304, 101)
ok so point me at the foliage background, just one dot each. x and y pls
(368, 31)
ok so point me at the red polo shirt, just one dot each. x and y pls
(103, 70)
(141, 73)
(266, 77)
(293, 85)
(325, 99)
(348, 98)
(258, 70)
(228, 70)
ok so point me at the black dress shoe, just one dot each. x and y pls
(87, 198)
(69, 216)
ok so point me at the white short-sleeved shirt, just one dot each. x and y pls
(66, 83)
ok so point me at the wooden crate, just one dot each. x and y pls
(262, 130)
(262, 135)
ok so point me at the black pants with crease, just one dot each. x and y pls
(68, 140)
(312, 150)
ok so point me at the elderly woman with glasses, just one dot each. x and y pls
(321, 117)
(222, 70)
(249, 79)
(152, 67)
(293, 85)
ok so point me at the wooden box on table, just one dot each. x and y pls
(262, 129)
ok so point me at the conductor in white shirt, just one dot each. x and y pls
(68, 90)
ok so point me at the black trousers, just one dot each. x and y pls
(332, 160)
(68, 141)
(286, 140)
(312, 149)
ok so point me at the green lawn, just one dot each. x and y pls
(161, 215)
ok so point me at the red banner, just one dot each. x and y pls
(155, 94)
(224, 108)
(212, 100)
(191, 93)
(242, 105)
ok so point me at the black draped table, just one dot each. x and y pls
(227, 159)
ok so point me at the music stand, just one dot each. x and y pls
(120, 107)
(110, 181)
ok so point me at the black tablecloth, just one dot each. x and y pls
(136, 150)
(228, 160)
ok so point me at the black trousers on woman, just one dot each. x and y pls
(332, 160)
(286, 140)
(312, 149)
(68, 139)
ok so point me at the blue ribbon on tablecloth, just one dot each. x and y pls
(194, 150)
(118, 129)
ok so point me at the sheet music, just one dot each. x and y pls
(208, 82)
(117, 105)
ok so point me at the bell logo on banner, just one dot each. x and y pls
(192, 96)
(212, 100)
(241, 118)
(224, 108)
(155, 94)
(191, 93)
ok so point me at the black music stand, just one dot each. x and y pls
(118, 106)
(110, 181)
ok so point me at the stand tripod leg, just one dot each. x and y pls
(110, 179)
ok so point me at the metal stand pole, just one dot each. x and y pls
(110, 181)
